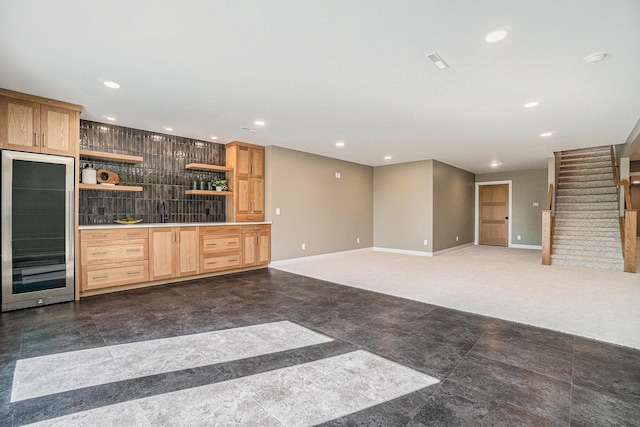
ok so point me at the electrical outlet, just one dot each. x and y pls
(304, 246)
(337, 175)
(277, 211)
(457, 238)
(519, 237)
(357, 240)
(535, 204)
(426, 243)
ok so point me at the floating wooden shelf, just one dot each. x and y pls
(206, 167)
(125, 158)
(102, 187)
(210, 193)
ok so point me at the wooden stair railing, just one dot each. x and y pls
(628, 223)
(548, 225)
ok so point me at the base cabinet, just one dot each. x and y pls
(173, 252)
(256, 248)
(113, 257)
(146, 256)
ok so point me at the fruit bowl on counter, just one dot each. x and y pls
(127, 221)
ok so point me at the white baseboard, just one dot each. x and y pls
(455, 248)
(402, 251)
(292, 261)
(526, 247)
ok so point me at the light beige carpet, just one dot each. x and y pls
(505, 283)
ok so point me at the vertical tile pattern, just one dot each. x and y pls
(161, 174)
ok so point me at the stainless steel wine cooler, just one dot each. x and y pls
(37, 229)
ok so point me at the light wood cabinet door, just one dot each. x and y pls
(188, 251)
(58, 130)
(39, 127)
(173, 252)
(243, 162)
(256, 248)
(257, 198)
(256, 168)
(19, 124)
(162, 253)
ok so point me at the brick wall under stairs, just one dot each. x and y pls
(587, 228)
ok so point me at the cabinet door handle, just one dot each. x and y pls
(257, 242)
(35, 139)
(43, 140)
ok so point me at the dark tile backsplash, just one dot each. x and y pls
(161, 174)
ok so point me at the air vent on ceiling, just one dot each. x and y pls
(248, 129)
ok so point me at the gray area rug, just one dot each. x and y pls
(506, 283)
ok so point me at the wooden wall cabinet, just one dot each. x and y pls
(220, 248)
(256, 245)
(173, 252)
(247, 161)
(113, 257)
(38, 125)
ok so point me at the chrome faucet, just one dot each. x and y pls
(164, 212)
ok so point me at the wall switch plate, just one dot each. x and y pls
(519, 237)
(277, 211)
(457, 238)
(357, 240)
(426, 243)
(535, 204)
(338, 175)
(304, 246)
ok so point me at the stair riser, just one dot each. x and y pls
(586, 215)
(598, 206)
(593, 162)
(593, 241)
(584, 264)
(596, 198)
(589, 223)
(586, 177)
(566, 185)
(611, 254)
(611, 232)
(586, 191)
(605, 149)
(575, 171)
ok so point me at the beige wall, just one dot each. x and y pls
(403, 206)
(325, 213)
(453, 206)
(528, 187)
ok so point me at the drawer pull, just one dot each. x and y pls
(132, 272)
(99, 235)
(232, 260)
(133, 250)
(99, 253)
(100, 277)
(232, 243)
(212, 244)
(133, 233)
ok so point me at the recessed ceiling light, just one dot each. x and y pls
(546, 134)
(496, 35)
(214, 137)
(495, 164)
(259, 123)
(112, 119)
(594, 58)
(531, 104)
(437, 60)
(339, 144)
(387, 157)
(112, 85)
(169, 129)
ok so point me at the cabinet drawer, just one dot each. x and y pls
(219, 244)
(101, 252)
(115, 234)
(259, 228)
(219, 230)
(222, 262)
(106, 275)
(246, 217)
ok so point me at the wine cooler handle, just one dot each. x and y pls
(72, 223)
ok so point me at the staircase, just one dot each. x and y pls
(587, 227)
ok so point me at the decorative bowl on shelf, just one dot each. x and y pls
(127, 221)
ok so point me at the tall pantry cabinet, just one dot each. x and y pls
(247, 181)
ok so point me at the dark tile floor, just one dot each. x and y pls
(492, 372)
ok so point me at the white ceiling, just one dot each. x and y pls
(319, 71)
